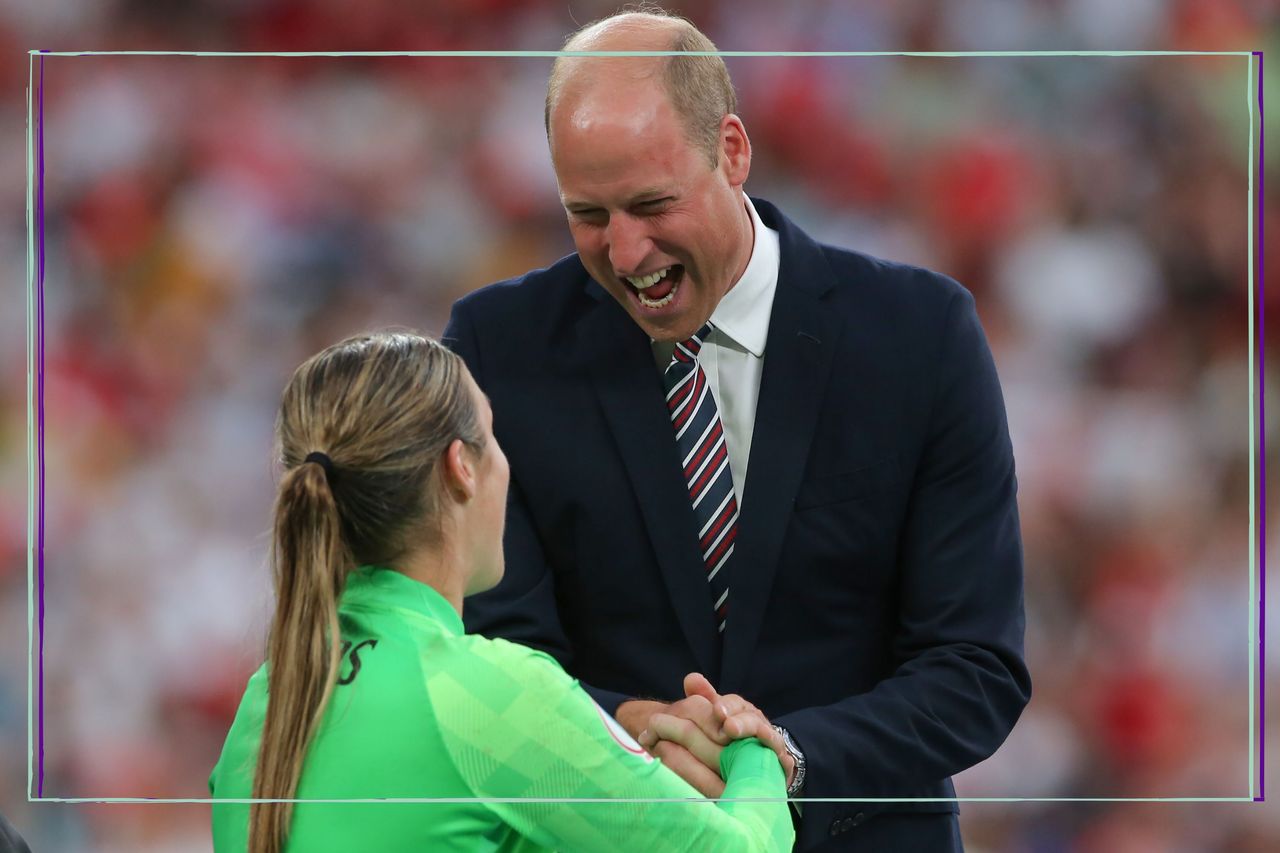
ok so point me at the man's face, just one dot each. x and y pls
(644, 202)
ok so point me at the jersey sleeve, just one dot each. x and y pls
(521, 731)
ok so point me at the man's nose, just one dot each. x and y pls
(629, 244)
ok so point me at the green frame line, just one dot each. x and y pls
(1253, 639)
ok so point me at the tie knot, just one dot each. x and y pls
(687, 350)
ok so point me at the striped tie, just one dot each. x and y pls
(700, 437)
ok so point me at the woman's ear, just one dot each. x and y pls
(459, 471)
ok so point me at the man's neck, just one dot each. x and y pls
(744, 259)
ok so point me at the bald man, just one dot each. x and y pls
(747, 468)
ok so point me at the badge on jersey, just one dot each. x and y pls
(619, 734)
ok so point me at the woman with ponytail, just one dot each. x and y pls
(390, 511)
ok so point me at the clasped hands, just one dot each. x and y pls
(688, 735)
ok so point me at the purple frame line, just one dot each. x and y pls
(40, 409)
(1262, 453)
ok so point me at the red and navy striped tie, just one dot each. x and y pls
(700, 437)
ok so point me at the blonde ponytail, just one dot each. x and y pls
(361, 427)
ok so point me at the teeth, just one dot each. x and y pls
(646, 281)
(658, 303)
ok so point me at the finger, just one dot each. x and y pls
(696, 684)
(683, 763)
(755, 724)
(730, 705)
(687, 734)
(746, 724)
(788, 767)
(633, 715)
(697, 710)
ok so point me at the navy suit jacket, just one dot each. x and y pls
(876, 584)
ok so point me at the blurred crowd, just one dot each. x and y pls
(211, 221)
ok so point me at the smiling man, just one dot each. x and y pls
(747, 467)
(659, 220)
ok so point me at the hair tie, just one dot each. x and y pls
(324, 462)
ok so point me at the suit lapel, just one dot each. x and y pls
(631, 395)
(797, 364)
(799, 352)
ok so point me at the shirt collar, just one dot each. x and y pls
(743, 312)
(386, 589)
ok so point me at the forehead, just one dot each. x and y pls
(607, 96)
(619, 139)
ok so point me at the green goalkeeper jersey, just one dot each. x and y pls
(422, 710)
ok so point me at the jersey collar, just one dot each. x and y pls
(384, 588)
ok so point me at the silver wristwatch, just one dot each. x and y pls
(797, 781)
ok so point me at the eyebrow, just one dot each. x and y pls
(645, 195)
(650, 193)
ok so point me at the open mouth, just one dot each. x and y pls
(658, 288)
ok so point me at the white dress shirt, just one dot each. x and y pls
(733, 355)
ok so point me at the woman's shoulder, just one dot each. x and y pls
(498, 670)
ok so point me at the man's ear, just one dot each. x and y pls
(458, 471)
(735, 150)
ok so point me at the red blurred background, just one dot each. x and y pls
(211, 221)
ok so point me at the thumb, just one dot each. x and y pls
(696, 684)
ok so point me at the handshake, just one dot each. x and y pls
(688, 735)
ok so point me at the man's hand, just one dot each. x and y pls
(633, 715)
(636, 716)
(689, 735)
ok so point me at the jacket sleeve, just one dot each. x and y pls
(960, 682)
(522, 608)
(522, 734)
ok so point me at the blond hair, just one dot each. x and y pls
(381, 408)
(698, 87)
